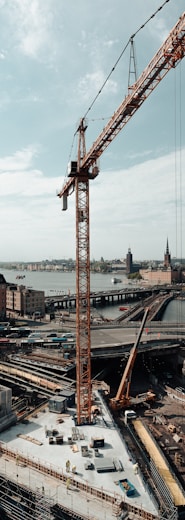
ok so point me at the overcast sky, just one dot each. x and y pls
(54, 58)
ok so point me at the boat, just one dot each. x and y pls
(123, 308)
(127, 487)
(20, 277)
(116, 280)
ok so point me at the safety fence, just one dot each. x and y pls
(113, 499)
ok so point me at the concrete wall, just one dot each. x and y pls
(5, 401)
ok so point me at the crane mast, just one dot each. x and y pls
(84, 169)
(83, 344)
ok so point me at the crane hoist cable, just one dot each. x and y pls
(130, 41)
(122, 52)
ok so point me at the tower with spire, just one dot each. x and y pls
(167, 256)
(129, 261)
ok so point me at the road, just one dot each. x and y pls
(120, 338)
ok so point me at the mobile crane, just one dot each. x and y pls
(86, 168)
(123, 398)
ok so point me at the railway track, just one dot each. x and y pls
(38, 379)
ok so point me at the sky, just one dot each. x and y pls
(55, 55)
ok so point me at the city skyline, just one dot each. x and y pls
(120, 260)
(138, 197)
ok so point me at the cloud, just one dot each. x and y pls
(147, 184)
(32, 24)
(2, 55)
(39, 105)
(159, 29)
(138, 205)
(132, 204)
(20, 180)
(30, 210)
(20, 160)
(91, 83)
(110, 43)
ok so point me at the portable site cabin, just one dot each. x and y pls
(97, 442)
(57, 404)
(69, 395)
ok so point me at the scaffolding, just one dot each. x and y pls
(36, 501)
(20, 503)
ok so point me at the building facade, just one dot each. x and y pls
(160, 276)
(166, 275)
(2, 297)
(131, 267)
(22, 301)
(129, 262)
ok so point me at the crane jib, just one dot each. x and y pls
(168, 56)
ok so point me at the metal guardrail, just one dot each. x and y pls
(114, 499)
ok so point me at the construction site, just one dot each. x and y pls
(128, 461)
(71, 447)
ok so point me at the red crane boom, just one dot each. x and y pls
(167, 57)
(122, 397)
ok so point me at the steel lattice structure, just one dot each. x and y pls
(167, 57)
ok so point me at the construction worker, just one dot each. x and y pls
(68, 484)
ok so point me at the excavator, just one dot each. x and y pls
(123, 399)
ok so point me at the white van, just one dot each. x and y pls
(34, 335)
(68, 335)
(129, 415)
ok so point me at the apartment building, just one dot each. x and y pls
(24, 302)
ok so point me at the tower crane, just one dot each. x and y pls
(83, 170)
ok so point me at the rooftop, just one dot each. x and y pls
(39, 439)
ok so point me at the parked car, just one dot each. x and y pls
(35, 335)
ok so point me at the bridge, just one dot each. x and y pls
(102, 298)
(155, 303)
(159, 346)
(156, 298)
(116, 339)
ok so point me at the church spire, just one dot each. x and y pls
(167, 256)
(167, 247)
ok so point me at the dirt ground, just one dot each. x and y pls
(170, 407)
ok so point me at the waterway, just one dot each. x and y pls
(53, 283)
